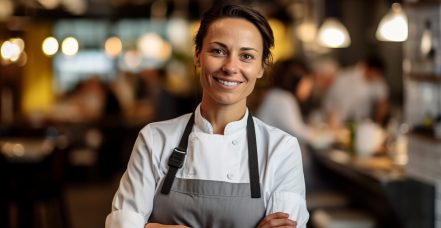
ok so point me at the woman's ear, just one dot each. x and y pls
(260, 74)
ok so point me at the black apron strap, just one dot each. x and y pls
(176, 160)
(253, 162)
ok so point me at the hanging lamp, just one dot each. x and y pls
(332, 33)
(393, 26)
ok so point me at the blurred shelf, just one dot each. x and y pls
(426, 134)
(424, 77)
(420, 2)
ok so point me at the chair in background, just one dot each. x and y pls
(31, 171)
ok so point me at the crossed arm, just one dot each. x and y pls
(278, 219)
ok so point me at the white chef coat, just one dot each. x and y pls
(353, 97)
(211, 157)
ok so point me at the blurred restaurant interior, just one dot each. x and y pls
(80, 78)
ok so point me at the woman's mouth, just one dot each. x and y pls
(227, 83)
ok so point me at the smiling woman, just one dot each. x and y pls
(219, 166)
(230, 62)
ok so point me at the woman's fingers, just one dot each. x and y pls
(157, 225)
(278, 219)
(277, 215)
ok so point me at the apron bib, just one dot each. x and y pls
(207, 203)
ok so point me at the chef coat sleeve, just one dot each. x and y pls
(133, 201)
(288, 194)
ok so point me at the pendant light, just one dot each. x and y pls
(332, 33)
(393, 26)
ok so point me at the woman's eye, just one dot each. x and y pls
(247, 57)
(217, 51)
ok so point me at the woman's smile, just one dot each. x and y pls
(229, 84)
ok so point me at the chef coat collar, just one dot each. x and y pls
(231, 127)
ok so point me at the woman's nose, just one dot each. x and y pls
(230, 65)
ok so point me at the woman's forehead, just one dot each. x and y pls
(236, 30)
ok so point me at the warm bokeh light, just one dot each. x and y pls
(50, 46)
(393, 27)
(166, 51)
(178, 34)
(19, 42)
(76, 7)
(333, 34)
(9, 50)
(49, 4)
(113, 46)
(307, 31)
(13, 149)
(150, 45)
(15, 58)
(132, 59)
(22, 60)
(153, 46)
(70, 46)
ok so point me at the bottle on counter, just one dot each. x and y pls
(428, 51)
(351, 126)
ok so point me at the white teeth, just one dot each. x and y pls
(227, 83)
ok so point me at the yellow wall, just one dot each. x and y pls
(37, 87)
(283, 42)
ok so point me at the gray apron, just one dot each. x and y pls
(207, 203)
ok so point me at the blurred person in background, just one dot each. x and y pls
(324, 72)
(144, 96)
(360, 92)
(151, 88)
(135, 105)
(237, 171)
(291, 85)
(86, 102)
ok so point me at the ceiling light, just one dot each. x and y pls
(70, 46)
(50, 46)
(333, 34)
(393, 26)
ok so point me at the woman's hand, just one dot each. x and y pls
(157, 225)
(278, 219)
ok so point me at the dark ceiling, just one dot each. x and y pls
(116, 9)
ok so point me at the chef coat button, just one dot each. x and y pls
(235, 142)
(230, 176)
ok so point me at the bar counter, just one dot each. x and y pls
(378, 186)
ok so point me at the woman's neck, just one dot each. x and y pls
(220, 115)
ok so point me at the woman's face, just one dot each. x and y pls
(230, 61)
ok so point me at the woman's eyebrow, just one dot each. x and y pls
(242, 49)
(219, 43)
(249, 49)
